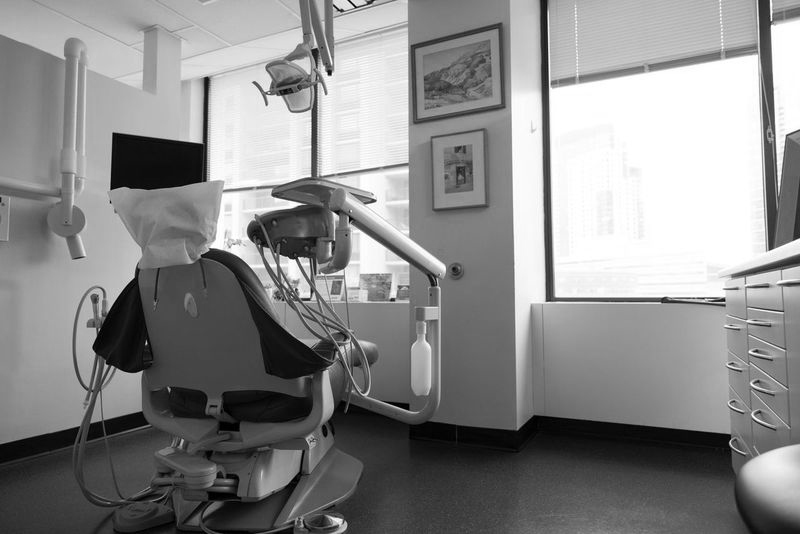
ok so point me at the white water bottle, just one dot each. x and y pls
(421, 363)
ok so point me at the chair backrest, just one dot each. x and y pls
(203, 334)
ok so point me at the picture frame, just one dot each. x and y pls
(459, 170)
(458, 74)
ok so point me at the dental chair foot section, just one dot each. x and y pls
(300, 478)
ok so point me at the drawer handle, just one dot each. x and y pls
(732, 327)
(733, 367)
(754, 385)
(758, 354)
(761, 285)
(758, 322)
(790, 282)
(734, 449)
(734, 288)
(761, 422)
(734, 408)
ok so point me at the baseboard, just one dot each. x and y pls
(45, 443)
(515, 440)
(489, 438)
(665, 436)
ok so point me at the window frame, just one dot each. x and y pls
(768, 146)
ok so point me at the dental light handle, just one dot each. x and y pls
(421, 363)
(384, 233)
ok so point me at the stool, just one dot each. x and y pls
(768, 492)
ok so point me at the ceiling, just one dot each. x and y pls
(216, 35)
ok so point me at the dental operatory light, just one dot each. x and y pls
(292, 82)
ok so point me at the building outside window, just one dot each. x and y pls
(362, 133)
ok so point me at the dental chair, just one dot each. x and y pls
(248, 404)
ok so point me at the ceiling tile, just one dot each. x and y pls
(237, 21)
(195, 41)
(42, 28)
(120, 19)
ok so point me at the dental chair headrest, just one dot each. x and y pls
(173, 226)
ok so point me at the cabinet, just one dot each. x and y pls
(762, 325)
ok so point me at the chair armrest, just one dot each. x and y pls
(253, 435)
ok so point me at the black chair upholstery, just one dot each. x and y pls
(768, 492)
(267, 406)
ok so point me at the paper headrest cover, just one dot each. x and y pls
(173, 226)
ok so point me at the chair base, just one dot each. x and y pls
(333, 480)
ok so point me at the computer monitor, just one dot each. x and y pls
(787, 228)
(151, 163)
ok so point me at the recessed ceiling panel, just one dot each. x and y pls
(123, 20)
(237, 21)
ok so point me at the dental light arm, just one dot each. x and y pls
(370, 223)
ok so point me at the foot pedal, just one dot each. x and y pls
(327, 522)
(140, 516)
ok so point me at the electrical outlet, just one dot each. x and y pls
(5, 216)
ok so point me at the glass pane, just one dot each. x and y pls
(656, 181)
(786, 77)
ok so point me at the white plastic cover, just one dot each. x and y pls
(175, 225)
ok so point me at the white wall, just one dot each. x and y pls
(39, 284)
(486, 360)
(649, 364)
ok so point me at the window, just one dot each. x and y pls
(362, 133)
(655, 159)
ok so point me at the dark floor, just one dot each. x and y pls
(557, 484)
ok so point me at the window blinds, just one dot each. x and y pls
(595, 39)
(363, 121)
(785, 10)
(250, 144)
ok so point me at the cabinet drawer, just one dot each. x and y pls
(769, 358)
(790, 277)
(736, 335)
(735, 303)
(741, 424)
(739, 376)
(768, 390)
(739, 453)
(769, 432)
(762, 291)
(766, 325)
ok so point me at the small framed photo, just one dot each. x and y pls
(330, 287)
(459, 170)
(458, 74)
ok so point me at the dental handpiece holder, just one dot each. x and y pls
(321, 230)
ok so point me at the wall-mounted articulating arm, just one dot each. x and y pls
(65, 219)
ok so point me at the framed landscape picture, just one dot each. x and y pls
(458, 74)
(459, 170)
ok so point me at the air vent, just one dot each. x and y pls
(343, 6)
